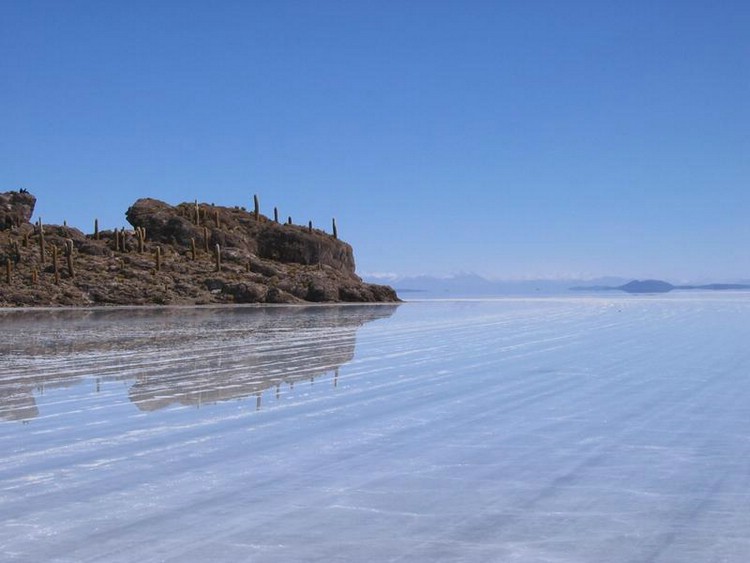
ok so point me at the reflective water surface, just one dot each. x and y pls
(182, 355)
(583, 429)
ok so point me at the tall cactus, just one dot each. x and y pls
(256, 202)
(41, 242)
(54, 264)
(69, 256)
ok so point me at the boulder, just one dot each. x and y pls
(162, 222)
(16, 208)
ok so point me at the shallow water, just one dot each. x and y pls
(577, 429)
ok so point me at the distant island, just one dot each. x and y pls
(187, 254)
(659, 286)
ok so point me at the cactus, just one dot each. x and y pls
(197, 214)
(216, 217)
(8, 270)
(205, 238)
(256, 202)
(41, 242)
(289, 220)
(192, 248)
(96, 229)
(158, 258)
(309, 226)
(140, 234)
(276, 214)
(34, 276)
(54, 264)
(218, 258)
(69, 256)
(335, 232)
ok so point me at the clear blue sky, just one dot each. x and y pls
(512, 139)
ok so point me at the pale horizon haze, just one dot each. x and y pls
(512, 139)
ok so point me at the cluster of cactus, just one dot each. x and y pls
(15, 255)
(119, 241)
(200, 218)
(140, 235)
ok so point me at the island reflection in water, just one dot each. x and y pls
(188, 356)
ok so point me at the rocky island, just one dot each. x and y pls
(186, 254)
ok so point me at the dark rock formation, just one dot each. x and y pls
(16, 208)
(238, 229)
(261, 261)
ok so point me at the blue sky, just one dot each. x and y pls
(511, 139)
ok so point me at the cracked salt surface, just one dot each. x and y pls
(565, 430)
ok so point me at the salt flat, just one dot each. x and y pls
(612, 428)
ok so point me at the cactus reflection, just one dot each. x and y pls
(188, 356)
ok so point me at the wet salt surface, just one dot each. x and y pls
(601, 429)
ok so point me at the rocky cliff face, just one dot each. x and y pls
(236, 229)
(185, 254)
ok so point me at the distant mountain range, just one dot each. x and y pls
(474, 285)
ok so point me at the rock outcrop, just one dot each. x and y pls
(185, 254)
(16, 208)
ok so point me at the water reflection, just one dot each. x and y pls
(190, 356)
